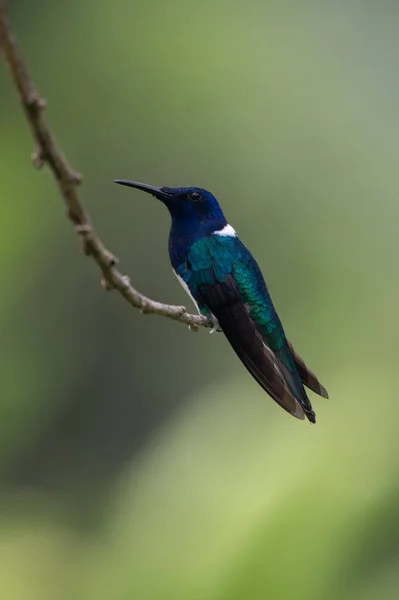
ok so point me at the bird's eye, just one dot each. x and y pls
(194, 196)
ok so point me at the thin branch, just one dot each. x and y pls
(47, 151)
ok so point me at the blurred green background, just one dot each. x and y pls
(139, 460)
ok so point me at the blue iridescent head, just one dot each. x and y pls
(190, 207)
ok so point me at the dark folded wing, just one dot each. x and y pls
(224, 301)
(308, 377)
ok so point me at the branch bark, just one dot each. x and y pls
(67, 179)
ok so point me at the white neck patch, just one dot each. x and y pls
(227, 231)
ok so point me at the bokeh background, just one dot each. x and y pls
(138, 459)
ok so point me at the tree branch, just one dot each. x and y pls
(47, 151)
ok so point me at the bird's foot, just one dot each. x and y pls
(215, 325)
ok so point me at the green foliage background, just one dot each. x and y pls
(139, 460)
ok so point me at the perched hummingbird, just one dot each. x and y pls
(226, 285)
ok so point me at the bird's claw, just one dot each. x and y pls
(215, 327)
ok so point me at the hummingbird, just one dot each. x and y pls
(226, 285)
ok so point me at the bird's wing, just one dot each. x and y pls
(224, 301)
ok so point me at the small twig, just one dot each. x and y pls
(47, 151)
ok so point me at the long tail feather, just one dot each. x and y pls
(308, 377)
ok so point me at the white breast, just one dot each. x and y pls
(187, 290)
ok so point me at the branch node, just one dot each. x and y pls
(145, 307)
(34, 101)
(111, 259)
(107, 285)
(38, 157)
(75, 178)
(126, 281)
(84, 231)
(41, 103)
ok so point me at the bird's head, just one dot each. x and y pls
(187, 205)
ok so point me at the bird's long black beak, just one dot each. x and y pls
(159, 192)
